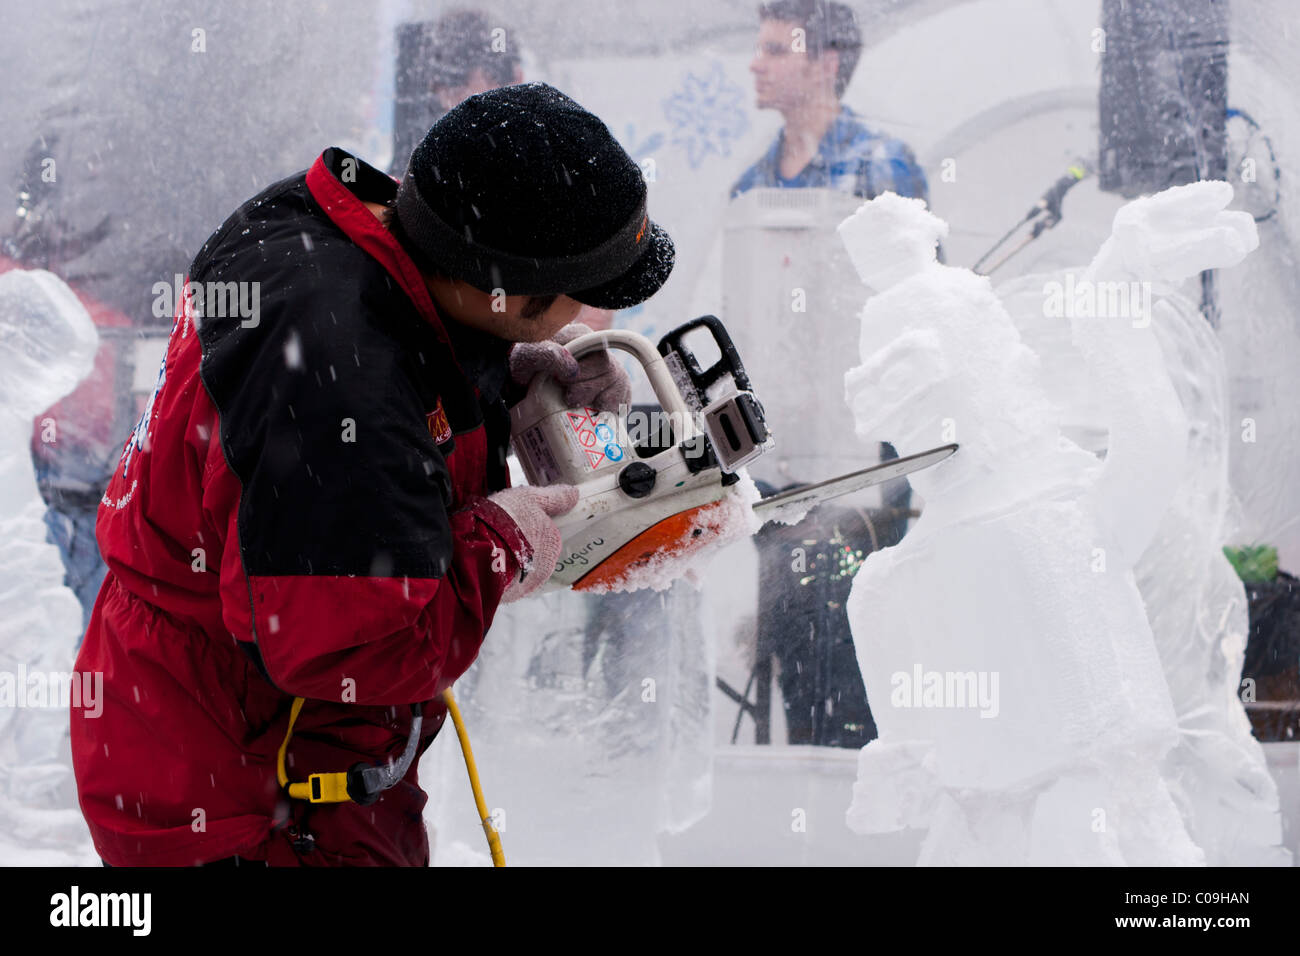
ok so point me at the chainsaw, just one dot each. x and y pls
(650, 479)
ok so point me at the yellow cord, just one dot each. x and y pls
(493, 838)
(280, 772)
(303, 791)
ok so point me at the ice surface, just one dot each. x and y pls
(1175, 234)
(591, 723)
(48, 340)
(895, 241)
(1197, 608)
(591, 720)
(47, 345)
(1020, 573)
(1194, 600)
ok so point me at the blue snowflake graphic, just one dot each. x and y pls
(706, 114)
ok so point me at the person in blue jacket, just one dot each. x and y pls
(806, 53)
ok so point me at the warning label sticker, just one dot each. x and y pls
(593, 433)
(536, 456)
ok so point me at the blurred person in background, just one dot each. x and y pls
(806, 53)
(441, 62)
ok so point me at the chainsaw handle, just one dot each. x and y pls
(656, 370)
(728, 362)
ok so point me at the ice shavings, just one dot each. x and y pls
(712, 529)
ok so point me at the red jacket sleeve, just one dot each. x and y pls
(358, 558)
(370, 639)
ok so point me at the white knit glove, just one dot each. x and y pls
(594, 380)
(532, 509)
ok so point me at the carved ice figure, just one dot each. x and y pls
(1020, 570)
(47, 345)
(1195, 602)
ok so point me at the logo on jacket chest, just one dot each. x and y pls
(439, 427)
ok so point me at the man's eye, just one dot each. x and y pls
(774, 49)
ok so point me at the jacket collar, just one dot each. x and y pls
(342, 184)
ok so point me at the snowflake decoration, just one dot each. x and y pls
(706, 114)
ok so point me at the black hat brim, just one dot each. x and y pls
(646, 276)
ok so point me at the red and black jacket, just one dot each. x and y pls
(300, 512)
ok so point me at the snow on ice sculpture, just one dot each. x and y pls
(47, 345)
(1195, 602)
(1022, 707)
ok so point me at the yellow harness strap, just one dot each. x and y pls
(320, 787)
(333, 787)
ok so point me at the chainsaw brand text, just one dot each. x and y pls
(579, 557)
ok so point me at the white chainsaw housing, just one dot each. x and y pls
(591, 449)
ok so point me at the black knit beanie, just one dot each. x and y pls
(521, 189)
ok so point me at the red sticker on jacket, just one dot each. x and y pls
(439, 427)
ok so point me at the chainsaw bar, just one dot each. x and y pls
(810, 495)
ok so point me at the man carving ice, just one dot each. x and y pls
(317, 507)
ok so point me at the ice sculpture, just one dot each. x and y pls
(1194, 600)
(591, 721)
(1028, 712)
(47, 345)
